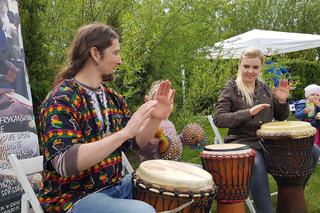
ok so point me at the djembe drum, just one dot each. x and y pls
(231, 167)
(170, 185)
(287, 149)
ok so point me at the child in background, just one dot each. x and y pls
(148, 152)
(308, 109)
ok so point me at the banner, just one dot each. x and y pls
(17, 126)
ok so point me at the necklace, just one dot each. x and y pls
(105, 105)
(99, 98)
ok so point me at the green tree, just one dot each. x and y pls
(158, 37)
(36, 51)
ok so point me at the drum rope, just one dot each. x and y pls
(231, 188)
(260, 142)
(178, 208)
(288, 158)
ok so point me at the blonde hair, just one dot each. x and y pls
(154, 86)
(244, 90)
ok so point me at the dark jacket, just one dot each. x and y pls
(301, 115)
(232, 112)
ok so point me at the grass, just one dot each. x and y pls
(312, 190)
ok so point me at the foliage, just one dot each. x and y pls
(206, 80)
(272, 74)
(303, 70)
(159, 37)
(36, 51)
(307, 72)
(154, 44)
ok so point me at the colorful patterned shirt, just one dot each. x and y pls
(68, 117)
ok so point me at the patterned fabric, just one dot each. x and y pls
(67, 117)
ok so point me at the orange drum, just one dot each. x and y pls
(287, 149)
(176, 186)
(231, 167)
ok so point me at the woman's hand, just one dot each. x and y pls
(282, 92)
(139, 118)
(164, 96)
(256, 109)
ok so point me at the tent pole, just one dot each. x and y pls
(183, 77)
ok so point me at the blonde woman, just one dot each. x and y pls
(245, 103)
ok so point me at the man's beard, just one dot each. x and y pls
(107, 77)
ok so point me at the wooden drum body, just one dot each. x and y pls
(168, 185)
(231, 167)
(287, 150)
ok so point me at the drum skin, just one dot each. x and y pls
(167, 185)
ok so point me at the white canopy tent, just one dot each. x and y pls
(269, 42)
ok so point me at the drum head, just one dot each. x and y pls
(175, 175)
(226, 147)
(287, 129)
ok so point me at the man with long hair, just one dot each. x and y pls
(84, 126)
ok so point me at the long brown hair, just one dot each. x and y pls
(92, 35)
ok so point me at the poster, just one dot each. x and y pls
(17, 126)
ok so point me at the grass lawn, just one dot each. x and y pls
(312, 190)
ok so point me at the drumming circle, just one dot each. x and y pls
(166, 185)
(231, 168)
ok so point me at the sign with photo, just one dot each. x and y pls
(17, 125)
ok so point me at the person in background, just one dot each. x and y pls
(20, 83)
(308, 109)
(13, 37)
(244, 104)
(149, 151)
(8, 71)
(84, 126)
